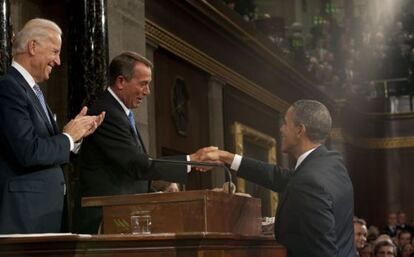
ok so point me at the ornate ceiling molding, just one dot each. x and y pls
(372, 143)
(198, 58)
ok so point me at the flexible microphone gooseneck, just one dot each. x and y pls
(193, 163)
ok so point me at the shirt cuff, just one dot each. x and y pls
(72, 144)
(188, 166)
(77, 146)
(235, 164)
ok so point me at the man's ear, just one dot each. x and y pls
(120, 82)
(301, 130)
(31, 47)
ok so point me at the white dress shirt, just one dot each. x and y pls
(235, 164)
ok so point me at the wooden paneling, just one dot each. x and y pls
(222, 35)
(167, 69)
(239, 107)
(379, 150)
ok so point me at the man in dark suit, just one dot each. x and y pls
(112, 160)
(391, 227)
(315, 211)
(32, 150)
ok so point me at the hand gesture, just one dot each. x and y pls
(83, 125)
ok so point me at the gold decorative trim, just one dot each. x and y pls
(372, 143)
(241, 131)
(381, 143)
(198, 58)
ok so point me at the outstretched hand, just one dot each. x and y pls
(213, 155)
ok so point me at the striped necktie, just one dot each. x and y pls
(41, 98)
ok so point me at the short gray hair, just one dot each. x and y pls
(315, 117)
(38, 29)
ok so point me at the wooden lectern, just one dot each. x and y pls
(191, 211)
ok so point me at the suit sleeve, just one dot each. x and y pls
(269, 176)
(24, 139)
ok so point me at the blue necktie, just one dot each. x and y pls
(134, 129)
(132, 123)
(41, 98)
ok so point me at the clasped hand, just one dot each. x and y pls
(83, 125)
(211, 154)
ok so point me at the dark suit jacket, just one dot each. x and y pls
(111, 163)
(315, 210)
(31, 152)
(387, 230)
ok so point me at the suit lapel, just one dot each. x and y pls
(318, 151)
(33, 98)
(110, 99)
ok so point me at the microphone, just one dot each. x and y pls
(231, 186)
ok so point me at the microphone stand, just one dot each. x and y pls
(193, 163)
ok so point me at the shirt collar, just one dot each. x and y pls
(26, 75)
(303, 156)
(126, 110)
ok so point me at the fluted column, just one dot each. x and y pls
(88, 51)
(5, 36)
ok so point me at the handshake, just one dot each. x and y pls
(211, 154)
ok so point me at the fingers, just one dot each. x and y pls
(100, 118)
(83, 112)
(83, 125)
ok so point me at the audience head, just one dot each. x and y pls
(37, 48)
(366, 251)
(385, 248)
(360, 230)
(407, 250)
(130, 78)
(373, 233)
(401, 218)
(404, 237)
(392, 219)
(383, 237)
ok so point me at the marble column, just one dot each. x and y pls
(5, 36)
(126, 32)
(88, 52)
(152, 137)
(215, 105)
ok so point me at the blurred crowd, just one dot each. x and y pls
(345, 56)
(393, 239)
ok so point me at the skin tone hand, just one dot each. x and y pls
(199, 156)
(83, 125)
(212, 154)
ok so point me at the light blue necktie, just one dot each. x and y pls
(132, 124)
(41, 98)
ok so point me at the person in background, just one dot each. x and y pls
(391, 227)
(385, 248)
(361, 231)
